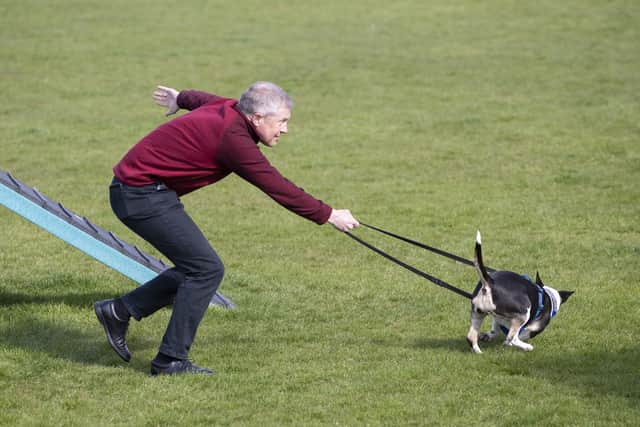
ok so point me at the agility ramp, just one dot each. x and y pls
(78, 231)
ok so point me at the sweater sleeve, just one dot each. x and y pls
(192, 99)
(242, 156)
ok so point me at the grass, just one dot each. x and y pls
(432, 119)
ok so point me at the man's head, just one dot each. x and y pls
(268, 107)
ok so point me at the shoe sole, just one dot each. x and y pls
(101, 319)
(163, 374)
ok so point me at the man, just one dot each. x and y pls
(217, 137)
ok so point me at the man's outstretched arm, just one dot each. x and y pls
(174, 100)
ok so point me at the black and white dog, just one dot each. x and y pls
(521, 308)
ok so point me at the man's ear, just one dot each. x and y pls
(256, 119)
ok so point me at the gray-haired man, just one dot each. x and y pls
(217, 137)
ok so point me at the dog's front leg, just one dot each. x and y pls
(476, 323)
(514, 330)
(493, 333)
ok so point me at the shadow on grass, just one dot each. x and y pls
(594, 372)
(60, 340)
(56, 289)
(72, 298)
(38, 329)
(458, 345)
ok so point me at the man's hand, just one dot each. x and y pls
(166, 97)
(343, 220)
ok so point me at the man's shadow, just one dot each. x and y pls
(34, 326)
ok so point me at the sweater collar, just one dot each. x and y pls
(250, 127)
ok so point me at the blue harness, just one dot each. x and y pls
(539, 309)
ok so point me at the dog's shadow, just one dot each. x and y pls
(440, 343)
(595, 371)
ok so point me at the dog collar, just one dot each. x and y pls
(540, 302)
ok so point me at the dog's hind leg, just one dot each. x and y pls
(514, 330)
(476, 322)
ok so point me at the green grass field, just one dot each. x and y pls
(432, 119)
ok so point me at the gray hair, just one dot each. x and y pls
(264, 98)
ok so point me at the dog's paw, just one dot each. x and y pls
(473, 343)
(487, 336)
(519, 344)
(525, 347)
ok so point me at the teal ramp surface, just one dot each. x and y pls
(78, 231)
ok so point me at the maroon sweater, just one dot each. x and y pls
(204, 146)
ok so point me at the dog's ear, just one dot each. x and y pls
(538, 280)
(564, 295)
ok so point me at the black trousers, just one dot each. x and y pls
(155, 213)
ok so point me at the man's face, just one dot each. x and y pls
(270, 127)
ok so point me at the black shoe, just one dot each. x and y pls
(179, 367)
(115, 328)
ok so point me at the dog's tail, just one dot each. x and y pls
(482, 271)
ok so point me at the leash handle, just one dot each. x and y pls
(424, 246)
(420, 273)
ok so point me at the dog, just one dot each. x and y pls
(521, 308)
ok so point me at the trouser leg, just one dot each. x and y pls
(157, 293)
(160, 219)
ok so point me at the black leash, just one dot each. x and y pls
(427, 247)
(412, 269)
